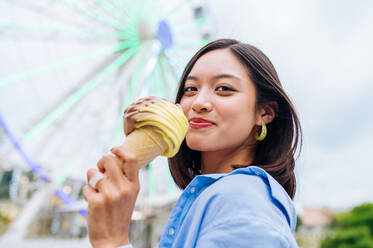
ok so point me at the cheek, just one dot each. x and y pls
(238, 120)
(185, 105)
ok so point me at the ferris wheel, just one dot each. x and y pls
(69, 68)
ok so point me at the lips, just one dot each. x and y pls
(200, 123)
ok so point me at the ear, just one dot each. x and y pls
(267, 113)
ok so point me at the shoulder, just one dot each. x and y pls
(248, 192)
(239, 184)
(239, 192)
(244, 231)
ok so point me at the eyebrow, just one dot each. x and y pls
(219, 76)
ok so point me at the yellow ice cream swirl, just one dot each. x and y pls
(170, 121)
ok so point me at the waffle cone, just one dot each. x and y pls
(146, 144)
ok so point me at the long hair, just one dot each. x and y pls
(276, 153)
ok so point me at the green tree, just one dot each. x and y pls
(299, 223)
(361, 215)
(349, 238)
(353, 229)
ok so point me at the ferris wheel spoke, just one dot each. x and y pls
(188, 42)
(165, 77)
(168, 88)
(130, 95)
(108, 7)
(93, 15)
(129, 8)
(156, 83)
(130, 18)
(135, 15)
(46, 147)
(121, 32)
(144, 87)
(50, 12)
(17, 146)
(174, 12)
(65, 172)
(116, 5)
(123, 7)
(193, 24)
(176, 57)
(40, 11)
(44, 137)
(152, 181)
(120, 14)
(75, 97)
(181, 54)
(129, 33)
(62, 63)
(70, 129)
(123, 75)
(153, 12)
(10, 26)
(171, 65)
(137, 78)
(103, 7)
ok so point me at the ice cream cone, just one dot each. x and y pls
(146, 143)
(154, 127)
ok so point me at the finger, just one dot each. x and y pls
(111, 166)
(96, 180)
(99, 183)
(89, 193)
(91, 173)
(130, 165)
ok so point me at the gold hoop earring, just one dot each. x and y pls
(263, 133)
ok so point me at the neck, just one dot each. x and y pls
(222, 161)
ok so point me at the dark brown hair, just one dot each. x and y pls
(275, 154)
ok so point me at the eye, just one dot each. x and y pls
(189, 89)
(224, 88)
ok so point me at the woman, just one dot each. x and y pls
(236, 164)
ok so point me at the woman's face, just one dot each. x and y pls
(219, 102)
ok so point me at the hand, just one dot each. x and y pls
(111, 204)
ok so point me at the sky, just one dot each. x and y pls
(322, 52)
(320, 49)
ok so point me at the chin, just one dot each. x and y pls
(199, 145)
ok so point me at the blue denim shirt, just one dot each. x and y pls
(245, 208)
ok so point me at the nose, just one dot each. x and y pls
(202, 102)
